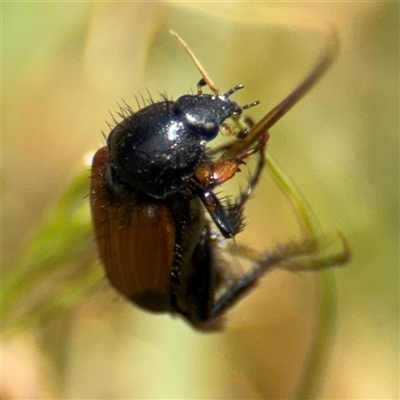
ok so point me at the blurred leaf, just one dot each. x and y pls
(46, 277)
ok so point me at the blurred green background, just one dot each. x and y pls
(67, 334)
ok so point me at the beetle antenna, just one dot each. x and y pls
(213, 87)
(253, 104)
(239, 110)
(233, 90)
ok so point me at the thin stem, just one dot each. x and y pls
(314, 369)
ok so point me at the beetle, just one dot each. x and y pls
(153, 185)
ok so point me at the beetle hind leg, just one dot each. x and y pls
(303, 255)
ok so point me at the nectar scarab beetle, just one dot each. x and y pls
(153, 186)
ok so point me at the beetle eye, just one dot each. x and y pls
(208, 129)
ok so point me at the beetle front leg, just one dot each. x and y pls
(229, 217)
(211, 174)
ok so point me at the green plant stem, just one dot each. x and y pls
(314, 368)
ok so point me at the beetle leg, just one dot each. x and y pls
(210, 174)
(195, 296)
(229, 217)
(304, 255)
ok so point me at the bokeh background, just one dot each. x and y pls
(67, 334)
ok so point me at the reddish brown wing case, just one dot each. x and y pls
(136, 240)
